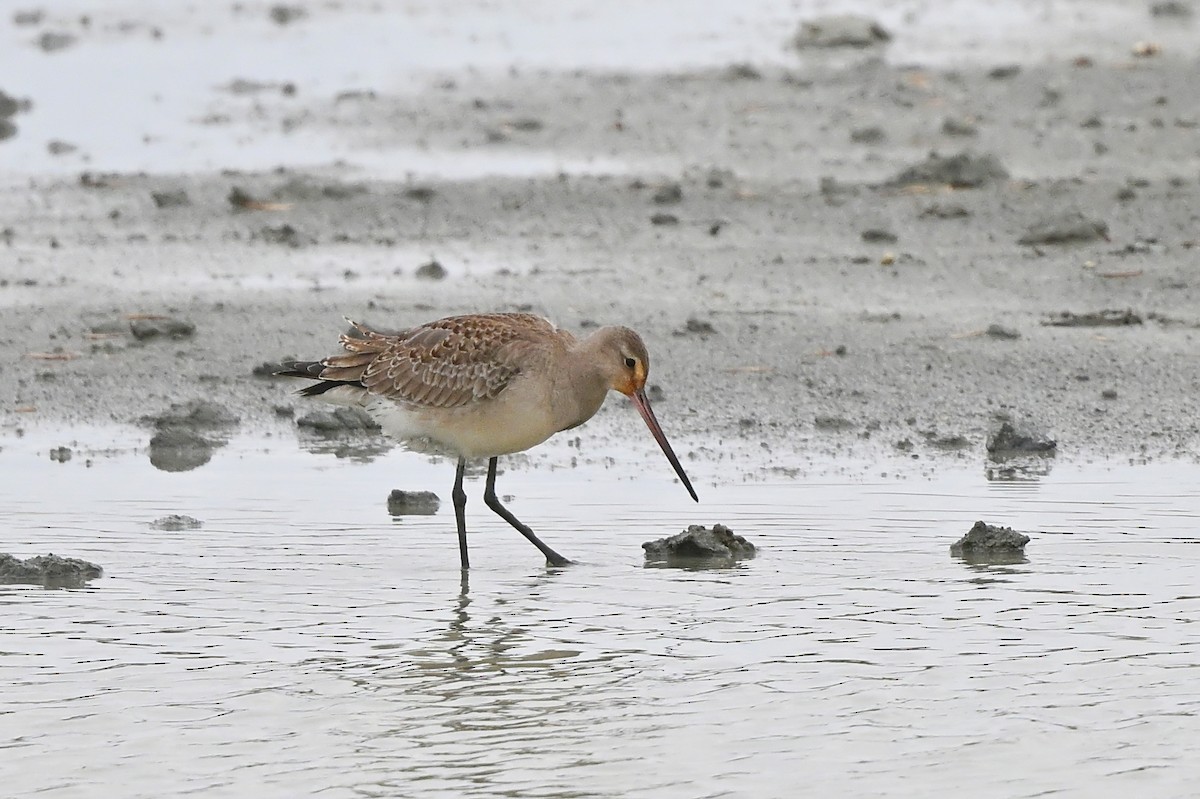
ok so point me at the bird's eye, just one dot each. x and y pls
(630, 363)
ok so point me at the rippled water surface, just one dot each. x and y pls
(302, 643)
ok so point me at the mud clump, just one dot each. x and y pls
(177, 446)
(161, 327)
(1171, 8)
(962, 171)
(840, 30)
(1012, 439)
(1069, 228)
(832, 424)
(668, 194)
(10, 106)
(49, 571)
(28, 17)
(177, 450)
(433, 270)
(699, 546)
(53, 41)
(945, 211)
(716, 177)
(955, 126)
(412, 503)
(1001, 332)
(285, 14)
(176, 198)
(1017, 452)
(242, 86)
(743, 71)
(269, 368)
(1106, 318)
(340, 420)
(176, 522)
(347, 433)
(242, 200)
(988, 543)
(305, 189)
(697, 327)
(285, 235)
(950, 441)
(879, 236)
(872, 134)
(197, 414)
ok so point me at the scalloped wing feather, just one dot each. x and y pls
(448, 363)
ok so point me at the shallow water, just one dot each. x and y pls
(134, 101)
(303, 643)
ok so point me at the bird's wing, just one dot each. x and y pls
(444, 364)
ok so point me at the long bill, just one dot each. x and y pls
(643, 405)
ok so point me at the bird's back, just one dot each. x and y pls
(447, 363)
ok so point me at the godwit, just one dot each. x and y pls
(482, 386)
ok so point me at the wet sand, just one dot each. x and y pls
(745, 217)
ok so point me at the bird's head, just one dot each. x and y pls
(625, 364)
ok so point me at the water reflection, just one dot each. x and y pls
(314, 647)
(985, 559)
(358, 447)
(495, 644)
(493, 702)
(1025, 468)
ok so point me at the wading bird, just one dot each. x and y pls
(482, 386)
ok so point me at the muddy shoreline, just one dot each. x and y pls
(748, 220)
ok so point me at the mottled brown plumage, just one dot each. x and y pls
(448, 363)
(484, 385)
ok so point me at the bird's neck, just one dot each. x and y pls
(583, 382)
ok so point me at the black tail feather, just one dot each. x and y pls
(316, 389)
(311, 370)
(307, 369)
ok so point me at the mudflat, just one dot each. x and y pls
(840, 250)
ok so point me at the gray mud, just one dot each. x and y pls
(176, 523)
(188, 433)
(990, 544)
(547, 199)
(699, 546)
(412, 503)
(49, 571)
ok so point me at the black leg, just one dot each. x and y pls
(460, 512)
(493, 502)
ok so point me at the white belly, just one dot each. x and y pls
(499, 426)
(519, 418)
